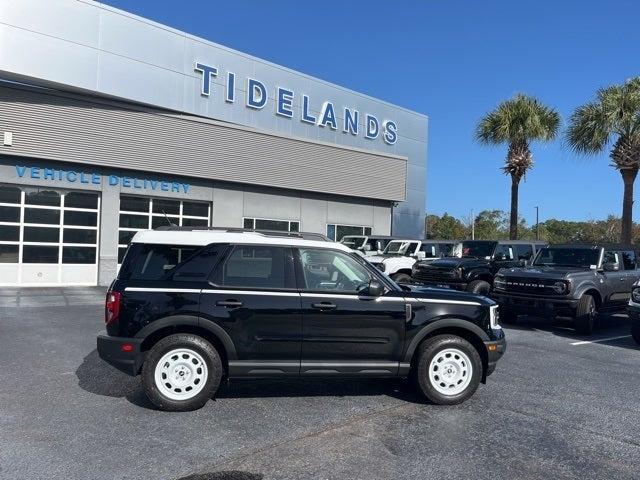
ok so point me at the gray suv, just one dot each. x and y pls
(577, 281)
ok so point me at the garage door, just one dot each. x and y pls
(48, 237)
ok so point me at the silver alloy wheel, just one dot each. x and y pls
(181, 374)
(450, 371)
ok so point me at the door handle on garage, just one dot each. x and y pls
(324, 305)
(229, 303)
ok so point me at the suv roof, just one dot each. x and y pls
(273, 233)
(432, 240)
(610, 246)
(512, 242)
(181, 236)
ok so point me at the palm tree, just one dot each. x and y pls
(518, 122)
(614, 114)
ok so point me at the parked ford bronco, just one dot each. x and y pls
(367, 245)
(190, 308)
(479, 261)
(400, 255)
(569, 280)
(634, 312)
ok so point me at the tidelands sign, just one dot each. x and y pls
(257, 97)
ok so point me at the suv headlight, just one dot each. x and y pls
(494, 317)
(499, 282)
(635, 294)
(560, 287)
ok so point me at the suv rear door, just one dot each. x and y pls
(252, 295)
(344, 332)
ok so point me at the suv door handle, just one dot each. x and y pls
(229, 303)
(324, 305)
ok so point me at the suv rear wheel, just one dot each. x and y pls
(181, 372)
(401, 278)
(448, 369)
(585, 315)
(480, 287)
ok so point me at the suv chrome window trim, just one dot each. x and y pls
(160, 289)
(252, 292)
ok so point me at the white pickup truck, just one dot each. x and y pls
(367, 245)
(399, 256)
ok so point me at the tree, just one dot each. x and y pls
(491, 225)
(614, 114)
(446, 227)
(518, 122)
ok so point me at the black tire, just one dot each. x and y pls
(481, 287)
(635, 330)
(508, 317)
(401, 278)
(585, 315)
(188, 342)
(428, 350)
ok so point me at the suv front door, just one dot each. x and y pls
(253, 297)
(618, 292)
(343, 331)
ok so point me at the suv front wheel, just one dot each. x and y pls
(448, 369)
(181, 372)
(585, 315)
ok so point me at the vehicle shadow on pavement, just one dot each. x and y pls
(606, 325)
(97, 377)
(227, 475)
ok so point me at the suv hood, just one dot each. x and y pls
(545, 272)
(451, 263)
(380, 258)
(445, 294)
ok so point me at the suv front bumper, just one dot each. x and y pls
(495, 351)
(531, 304)
(110, 349)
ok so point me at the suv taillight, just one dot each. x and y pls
(112, 307)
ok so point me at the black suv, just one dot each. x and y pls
(634, 312)
(476, 264)
(190, 308)
(576, 281)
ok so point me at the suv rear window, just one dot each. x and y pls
(145, 261)
(256, 267)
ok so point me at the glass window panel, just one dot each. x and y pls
(42, 197)
(248, 223)
(294, 227)
(342, 230)
(327, 270)
(280, 225)
(367, 230)
(10, 214)
(134, 204)
(41, 215)
(163, 222)
(89, 219)
(124, 237)
(134, 221)
(81, 200)
(166, 206)
(39, 254)
(331, 231)
(629, 260)
(9, 194)
(194, 222)
(254, 267)
(78, 254)
(75, 235)
(8, 253)
(154, 262)
(121, 252)
(197, 209)
(9, 233)
(41, 234)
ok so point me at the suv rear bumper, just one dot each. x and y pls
(530, 304)
(110, 350)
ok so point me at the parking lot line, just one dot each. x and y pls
(584, 342)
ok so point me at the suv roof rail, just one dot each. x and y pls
(271, 233)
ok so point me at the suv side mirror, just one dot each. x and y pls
(611, 266)
(374, 289)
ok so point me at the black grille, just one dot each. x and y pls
(434, 274)
(530, 285)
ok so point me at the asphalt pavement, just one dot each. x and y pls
(559, 406)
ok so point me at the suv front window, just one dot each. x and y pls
(478, 249)
(328, 270)
(254, 267)
(567, 257)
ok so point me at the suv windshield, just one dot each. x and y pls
(398, 248)
(353, 242)
(567, 257)
(478, 249)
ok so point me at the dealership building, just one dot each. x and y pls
(111, 123)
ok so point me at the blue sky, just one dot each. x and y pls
(452, 60)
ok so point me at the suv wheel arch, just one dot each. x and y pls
(455, 326)
(594, 292)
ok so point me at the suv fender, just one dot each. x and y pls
(192, 321)
(589, 286)
(480, 274)
(440, 324)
